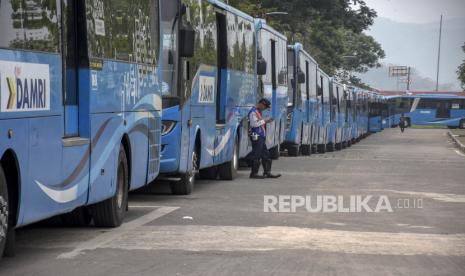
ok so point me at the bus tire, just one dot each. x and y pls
(4, 213)
(275, 152)
(330, 147)
(462, 124)
(111, 212)
(306, 150)
(79, 217)
(321, 148)
(185, 186)
(293, 150)
(209, 173)
(228, 170)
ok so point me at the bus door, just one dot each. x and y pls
(76, 151)
(274, 90)
(307, 89)
(443, 110)
(55, 164)
(221, 86)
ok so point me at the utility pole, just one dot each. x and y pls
(408, 80)
(439, 55)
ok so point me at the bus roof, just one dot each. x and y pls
(230, 9)
(261, 24)
(323, 72)
(300, 47)
(430, 96)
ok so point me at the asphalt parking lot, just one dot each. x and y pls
(223, 229)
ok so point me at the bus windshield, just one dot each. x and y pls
(290, 70)
(169, 22)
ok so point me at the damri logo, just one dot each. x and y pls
(24, 87)
(206, 89)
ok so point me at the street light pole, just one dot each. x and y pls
(439, 55)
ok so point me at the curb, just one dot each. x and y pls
(457, 142)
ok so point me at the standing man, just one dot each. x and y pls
(257, 133)
(403, 123)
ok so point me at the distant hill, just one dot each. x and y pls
(416, 45)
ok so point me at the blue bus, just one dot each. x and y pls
(323, 112)
(302, 104)
(337, 116)
(80, 110)
(361, 114)
(434, 110)
(272, 47)
(208, 95)
(377, 112)
(393, 115)
(357, 111)
(350, 116)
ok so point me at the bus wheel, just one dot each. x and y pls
(80, 217)
(110, 213)
(275, 152)
(7, 237)
(330, 147)
(293, 150)
(185, 186)
(322, 148)
(306, 150)
(228, 171)
(462, 124)
(209, 173)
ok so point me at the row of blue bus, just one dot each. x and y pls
(423, 110)
(99, 98)
(434, 109)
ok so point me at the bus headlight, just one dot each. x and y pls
(167, 127)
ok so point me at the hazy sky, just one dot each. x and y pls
(418, 11)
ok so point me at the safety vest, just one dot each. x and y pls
(261, 130)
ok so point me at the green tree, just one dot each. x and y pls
(331, 30)
(461, 71)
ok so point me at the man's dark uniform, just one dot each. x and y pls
(257, 133)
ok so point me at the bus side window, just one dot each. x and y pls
(40, 32)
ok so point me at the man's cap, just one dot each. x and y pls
(265, 102)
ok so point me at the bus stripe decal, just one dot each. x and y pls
(60, 196)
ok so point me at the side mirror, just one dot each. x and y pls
(301, 77)
(261, 66)
(187, 41)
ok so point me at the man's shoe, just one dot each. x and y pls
(270, 175)
(256, 176)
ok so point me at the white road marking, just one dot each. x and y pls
(335, 223)
(238, 238)
(414, 226)
(451, 198)
(127, 228)
(144, 207)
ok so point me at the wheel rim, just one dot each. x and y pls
(194, 167)
(3, 217)
(120, 195)
(235, 159)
